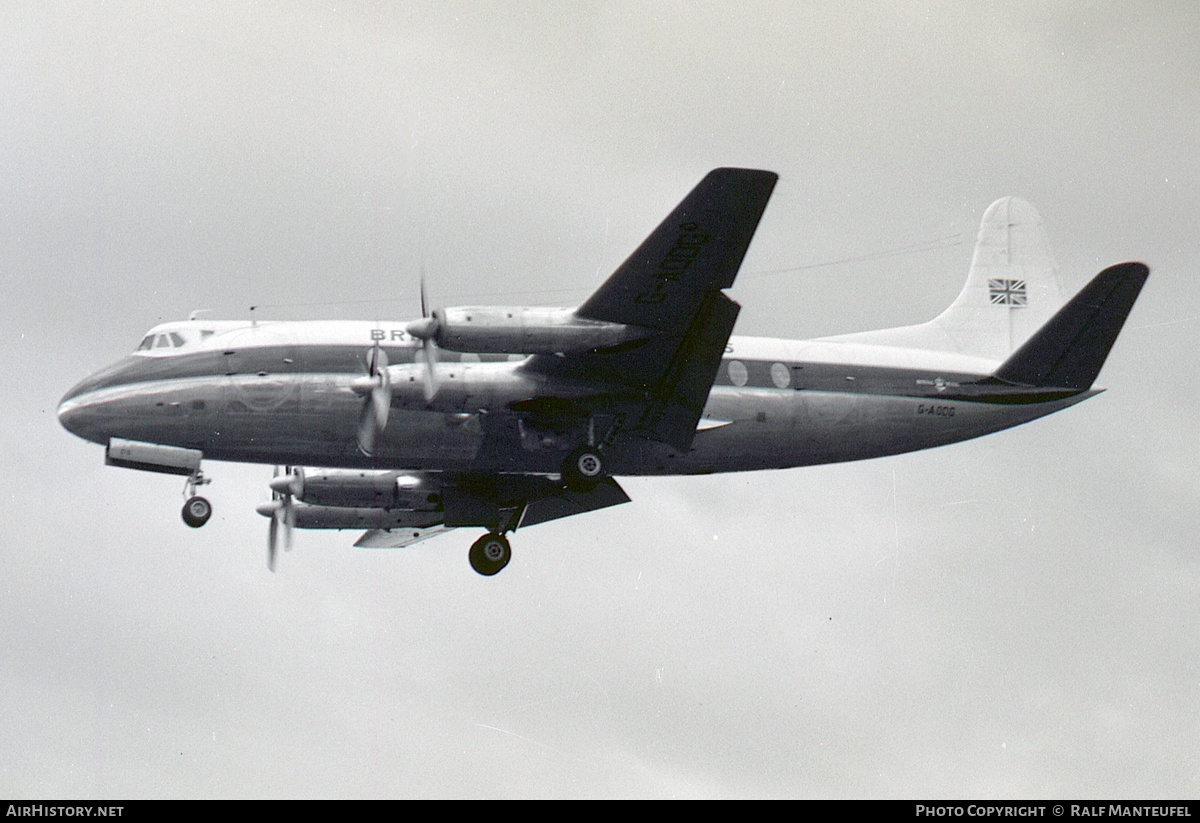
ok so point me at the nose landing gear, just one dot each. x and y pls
(196, 510)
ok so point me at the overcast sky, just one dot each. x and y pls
(1011, 617)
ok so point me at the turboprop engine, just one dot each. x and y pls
(351, 488)
(349, 499)
(521, 330)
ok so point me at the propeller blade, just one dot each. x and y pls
(381, 404)
(285, 488)
(289, 523)
(426, 329)
(377, 360)
(378, 404)
(366, 431)
(429, 325)
(431, 384)
(296, 482)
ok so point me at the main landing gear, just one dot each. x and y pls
(582, 469)
(196, 510)
(490, 553)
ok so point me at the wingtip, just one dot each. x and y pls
(729, 171)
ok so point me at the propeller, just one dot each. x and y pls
(284, 489)
(426, 329)
(377, 386)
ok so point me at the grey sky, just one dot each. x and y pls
(1015, 616)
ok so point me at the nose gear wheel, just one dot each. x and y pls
(196, 511)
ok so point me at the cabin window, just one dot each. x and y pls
(147, 343)
(737, 373)
(780, 375)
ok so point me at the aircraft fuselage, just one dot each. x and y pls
(290, 393)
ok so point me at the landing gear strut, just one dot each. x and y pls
(490, 553)
(196, 510)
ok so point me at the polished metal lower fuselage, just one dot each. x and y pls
(275, 397)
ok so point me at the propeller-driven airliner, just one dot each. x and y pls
(501, 418)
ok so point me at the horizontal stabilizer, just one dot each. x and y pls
(1070, 348)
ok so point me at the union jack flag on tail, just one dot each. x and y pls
(1007, 292)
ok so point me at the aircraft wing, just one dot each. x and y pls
(527, 500)
(672, 286)
(691, 254)
(567, 503)
(398, 538)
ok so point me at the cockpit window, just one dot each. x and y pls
(166, 340)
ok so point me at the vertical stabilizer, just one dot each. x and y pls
(1011, 290)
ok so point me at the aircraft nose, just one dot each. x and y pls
(78, 417)
(70, 415)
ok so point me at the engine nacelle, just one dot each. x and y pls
(348, 488)
(523, 330)
(344, 517)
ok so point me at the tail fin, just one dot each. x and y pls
(1069, 350)
(1011, 291)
